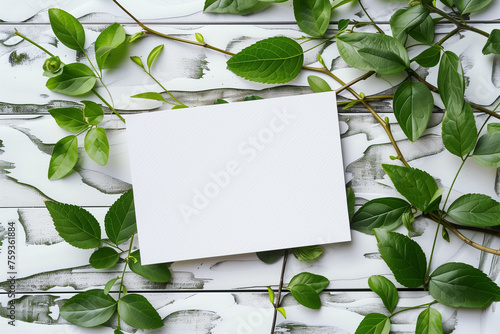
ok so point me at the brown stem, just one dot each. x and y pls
(280, 288)
(349, 84)
(367, 98)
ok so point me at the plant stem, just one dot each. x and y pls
(427, 272)
(108, 105)
(33, 42)
(412, 307)
(349, 84)
(280, 288)
(448, 35)
(371, 20)
(367, 98)
(172, 96)
(123, 274)
(114, 246)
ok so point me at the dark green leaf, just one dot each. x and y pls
(241, 7)
(318, 84)
(487, 152)
(64, 157)
(75, 225)
(424, 33)
(429, 322)
(404, 20)
(475, 210)
(76, 79)
(272, 60)
(270, 257)
(153, 272)
(404, 257)
(67, 29)
(104, 257)
(429, 57)
(370, 51)
(493, 43)
(153, 55)
(306, 296)
(461, 285)
(470, 6)
(110, 284)
(117, 331)
(70, 119)
(97, 145)
(383, 213)
(451, 82)
(120, 223)
(150, 96)
(316, 282)
(252, 98)
(136, 311)
(312, 16)
(374, 323)
(307, 253)
(89, 309)
(271, 294)
(92, 112)
(343, 24)
(385, 289)
(108, 40)
(413, 105)
(459, 130)
(220, 101)
(448, 3)
(351, 203)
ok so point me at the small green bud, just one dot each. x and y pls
(136, 36)
(321, 61)
(52, 67)
(137, 60)
(199, 37)
(362, 95)
(392, 157)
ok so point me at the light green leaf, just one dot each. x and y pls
(241, 7)
(150, 96)
(404, 257)
(417, 186)
(109, 285)
(270, 257)
(64, 157)
(153, 55)
(316, 282)
(137, 60)
(475, 210)
(52, 67)
(307, 253)
(271, 294)
(108, 40)
(97, 145)
(89, 309)
(338, 3)
(318, 84)
(70, 119)
(451, 82)
(120, 222)
(429, 321)
(383, 213)
(67, 29)
(75, 79)
(470, 6)
(374, 323)
(199, 37)
(351, 203)
(153, 272)
(281, 310)
(92, 112)
(487, 152)
(461, 285)
(306, 296)
(75, 225)
(136, 36)
(493, 43)
(424, 32)
(272, 60)
(370, 51)
(104, 257)
(429, 57)
(405, 19)
(312, 16)
(459, 130)
(413, 105)
(493, 127)
(136, 311)
(386, 290)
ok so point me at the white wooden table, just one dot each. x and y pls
(221, 295)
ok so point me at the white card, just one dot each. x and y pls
(238, 178)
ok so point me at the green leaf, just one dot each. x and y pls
(424, 33)
(371, 51)
(316, 282)
(110, 284)
(487, 152)
(383, 213)
(271, 294)
(199, 37)
(281, 310)
(374, 323)
(459, 130)
(461, 285)
(493, 43)
(493, 127)
(318, 84)
(89, 309)
(408, 218)
(386, 290)
(75, 225)
(153, 55)
(75, 79)
(351, 203)
(241, 7)
(475, 210)
(92, 112)
(220, 101)
(448, 3)
(153, 272)
(252, 98)
(136, 311)
(470, 6)
(64, 157)
(137, 60)
(307, 253)
(52, 67)
(417, 186)
(312, 16)
(404, 20)
(343, 24)
(179, 106)
(108, 40)
(429, 57)
(270, 257)
(67, 29)
(97, 145)
(136, 36)
(120, 223)
(429, 321)
(450, 81)
(150, 96)
(117, 331)
(338, 3)
(70, 119)
(404, 257)
(104, 257)
(272, 60)
(413, 105)
(306, 296)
